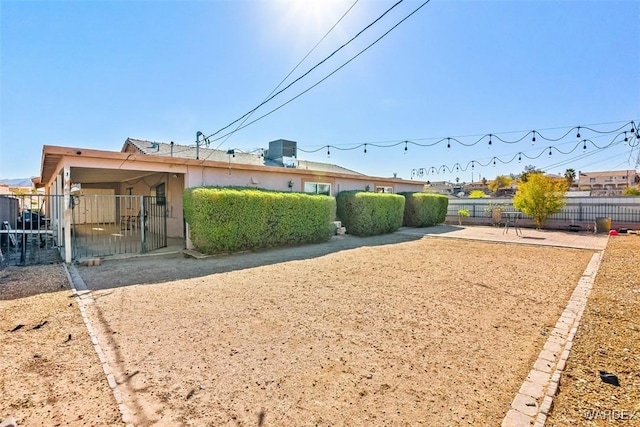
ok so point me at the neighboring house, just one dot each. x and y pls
(5, 190)
(162, 171)
(441, 187)
(607, 180)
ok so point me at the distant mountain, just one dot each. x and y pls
(17, 182)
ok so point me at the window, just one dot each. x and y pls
(317, 188)
(592, 180)
(384, 189)
(160, 194)
(129, 193)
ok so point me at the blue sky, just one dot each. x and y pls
(91, 73)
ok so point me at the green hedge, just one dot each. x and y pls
(235, 219)
(424, 209)
(368, 214)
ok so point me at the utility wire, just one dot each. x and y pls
(301, 77)
(326, 77)
(292, 71)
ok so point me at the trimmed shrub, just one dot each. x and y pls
(368, 214)
(424, 209)
(236, 219)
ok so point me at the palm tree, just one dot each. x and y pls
(570, 177)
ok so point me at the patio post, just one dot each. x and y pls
(66, 213)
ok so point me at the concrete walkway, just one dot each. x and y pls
(565, 239)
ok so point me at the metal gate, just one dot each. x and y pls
(104, 224)
(31, 229)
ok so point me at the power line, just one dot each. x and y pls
(301, 77)
(330, 74)
(293, 70)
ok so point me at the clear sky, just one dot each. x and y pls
(91, 73)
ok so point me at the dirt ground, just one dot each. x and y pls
(608, 339)
(49, 371)
(380, 332)
(422, 332)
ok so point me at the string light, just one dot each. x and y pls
(625, 138)
(535, 135)
(633, 143)
(328, 152)
(405, 147)
(365, 149)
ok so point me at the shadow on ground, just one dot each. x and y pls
(158, 269)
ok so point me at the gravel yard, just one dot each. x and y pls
(425, 332)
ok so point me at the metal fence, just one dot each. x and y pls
(30, 229)
(586, 210)
(113, 224)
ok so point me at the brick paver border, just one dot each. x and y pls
(534, 401)
(83, 298)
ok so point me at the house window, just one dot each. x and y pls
(384, 189)
(160, 194)
(317, 188)
(592, 180)
(129, 193)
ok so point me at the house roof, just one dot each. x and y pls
(162, 149)
(625, 172)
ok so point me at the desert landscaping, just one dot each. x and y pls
(427, 331)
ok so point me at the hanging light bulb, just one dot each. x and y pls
(494, 162)
(578, 134)
(633, 125)
(405, 147)
(448, 144)
(365, 149)
(549, 151)
(472, 165)
(519, 157)
(457, 168)
(584, 144)
(489, 140)
(328, 152)
(626, 140)
(533, 140)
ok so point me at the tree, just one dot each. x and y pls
(570, 176)
(477, 194)
(500, 182)
(540, 197)
(528, 170)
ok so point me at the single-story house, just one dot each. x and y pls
(135, 194)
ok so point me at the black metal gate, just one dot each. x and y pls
(113, 224)
(30, 229)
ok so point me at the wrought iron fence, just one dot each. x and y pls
(116, 224)
(31, 229)
(583, 211)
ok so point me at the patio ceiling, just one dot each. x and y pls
(96, 175)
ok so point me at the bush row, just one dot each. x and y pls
(235, 219)
(368, 214)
